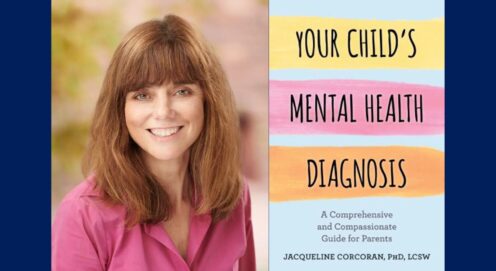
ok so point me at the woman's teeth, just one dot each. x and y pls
(164, 132)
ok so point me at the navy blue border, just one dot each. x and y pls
(470, 136)
(25, 135)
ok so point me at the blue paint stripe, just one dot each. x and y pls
(360, 9)
(424, 77)
(435, 142)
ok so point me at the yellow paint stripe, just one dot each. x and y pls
(284, 50)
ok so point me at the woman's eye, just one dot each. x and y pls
(141, 97)
(183, 92)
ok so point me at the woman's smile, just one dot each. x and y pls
(164, 132)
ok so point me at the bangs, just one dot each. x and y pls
(162, 62)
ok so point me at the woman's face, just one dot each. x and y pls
(165, 120)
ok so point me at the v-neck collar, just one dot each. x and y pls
(198, 229)
(199, 225)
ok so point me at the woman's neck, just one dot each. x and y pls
(172, 175)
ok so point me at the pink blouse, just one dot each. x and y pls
(89, 234)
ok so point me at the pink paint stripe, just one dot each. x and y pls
(280, 107)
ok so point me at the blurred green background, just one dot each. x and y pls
(84, 36)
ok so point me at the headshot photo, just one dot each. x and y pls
(159, 135)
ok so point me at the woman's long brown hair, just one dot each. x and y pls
(154, 53)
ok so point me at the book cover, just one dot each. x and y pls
(356, 112)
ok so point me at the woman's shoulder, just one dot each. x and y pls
(86, 204)
(245, 198)
(86, 189)
(84, 228)
(243, 206)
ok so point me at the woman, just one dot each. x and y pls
(163, 190)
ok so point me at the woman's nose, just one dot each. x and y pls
(163, 108)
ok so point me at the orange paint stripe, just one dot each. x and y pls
(423, 168)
